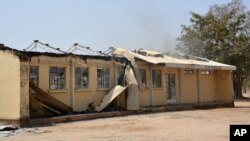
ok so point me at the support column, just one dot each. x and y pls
(24, 94)
(198, 86)
(180, 86)
(215, 75)
(72, 86)
(151, 86)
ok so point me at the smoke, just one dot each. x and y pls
(153, 28)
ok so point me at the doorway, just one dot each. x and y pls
(170, 88)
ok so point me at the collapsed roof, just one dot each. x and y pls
(25, 55)
(153, 57)
(185, 61)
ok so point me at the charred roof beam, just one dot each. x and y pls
(77, 46)
(35, 44)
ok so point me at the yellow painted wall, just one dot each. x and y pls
(14, 85)
(159, 95)
(144, 95)
(225, 86)
(207, 87)
(189, 87)
(44, 63)
(10, 86)
(82, 97)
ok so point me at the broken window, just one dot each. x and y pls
(103, 77)
(57, 78)
(206, 72)
(156, 78)
(81, 78)
(34, 74)
(120, 74)
(143, 77)
(189, 71)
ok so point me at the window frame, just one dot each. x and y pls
(170, 84)
(105, 78)
(155, 85)
(57, 74)
(143, 77)
(37, 75)
(81, 78)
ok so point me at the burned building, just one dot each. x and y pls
(42, 84)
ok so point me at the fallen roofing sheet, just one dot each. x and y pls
(108, 98)
(173, 62)
(133, 96)
(137, 74)
(36, 109)
(49, 101)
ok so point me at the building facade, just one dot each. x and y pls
(85, 82)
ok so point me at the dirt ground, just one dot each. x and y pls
(193, 125)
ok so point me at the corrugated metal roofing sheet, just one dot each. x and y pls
(174, 62)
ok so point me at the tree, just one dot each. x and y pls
(222, 34)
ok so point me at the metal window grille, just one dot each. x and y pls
(81, 78)
(156, 78)
(103, 77)
(57, 78)
(143, 77)
(34, 74)
(170, 86)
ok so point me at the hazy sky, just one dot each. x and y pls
(131, 24)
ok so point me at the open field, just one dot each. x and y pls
(193, 125)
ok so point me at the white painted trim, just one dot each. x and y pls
(197, 66)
